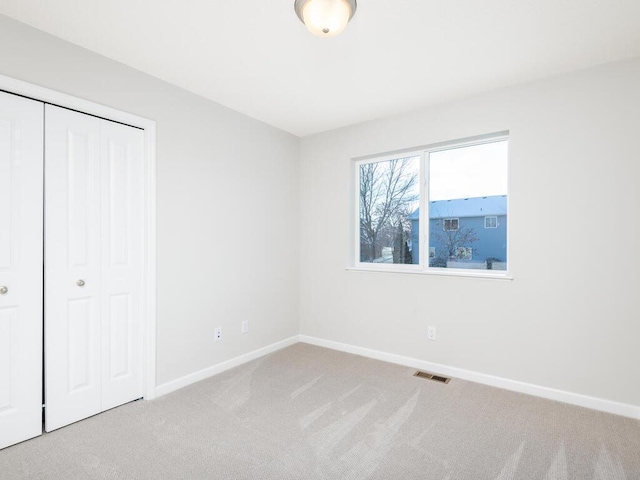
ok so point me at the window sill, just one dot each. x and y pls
(440, 272)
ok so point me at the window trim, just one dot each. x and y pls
(356, 200)
(490, 216)
(450, 219)
(422, 268)
(466, 249)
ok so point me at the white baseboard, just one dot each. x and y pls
(594, 403)
(194, 377)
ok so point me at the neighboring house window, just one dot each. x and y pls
(429, 210)
(491, 222)
(451, 224)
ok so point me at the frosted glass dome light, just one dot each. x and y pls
(325, 18)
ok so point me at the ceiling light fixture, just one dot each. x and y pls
(325, 18)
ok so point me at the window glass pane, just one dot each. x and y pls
(388, 202)
(490, 222)
(469, 184)
(450, 224)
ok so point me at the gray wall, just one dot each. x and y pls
(216, 168)
(569, 319)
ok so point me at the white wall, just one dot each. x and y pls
(569, 319)
(230, 219)
(227, 203)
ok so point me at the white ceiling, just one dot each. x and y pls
(255, 56)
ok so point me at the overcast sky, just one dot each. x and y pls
(477, 171)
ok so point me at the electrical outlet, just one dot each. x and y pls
(218, 335)
(431, 333)
(245, 326)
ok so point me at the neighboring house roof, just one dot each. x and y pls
(465, 207)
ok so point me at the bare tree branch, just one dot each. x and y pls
(387, 190)
(451, 240)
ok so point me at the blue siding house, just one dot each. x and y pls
(470, 231)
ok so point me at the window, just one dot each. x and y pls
(389, 192)
(451, 224)
(491, 222)
(434, 209)
(463, 253)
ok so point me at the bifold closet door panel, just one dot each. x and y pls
(21, 130)
(72, 311)
(121, 155)
(94, 234)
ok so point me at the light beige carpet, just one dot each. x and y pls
(311, 413)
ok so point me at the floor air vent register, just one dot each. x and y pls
(432, 376)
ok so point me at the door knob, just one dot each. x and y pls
(4, 290)
(80, 283)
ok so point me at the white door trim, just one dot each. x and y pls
(46, 95)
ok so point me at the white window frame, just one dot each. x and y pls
(391, 267)
(488, 217)
(450, 220)
(423, 266)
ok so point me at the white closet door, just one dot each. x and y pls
(94, 265)
(20, 269)
(121, 154)
(73, 375)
